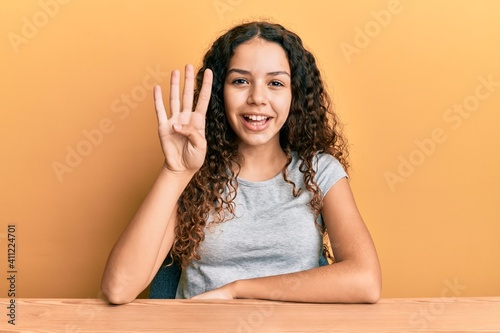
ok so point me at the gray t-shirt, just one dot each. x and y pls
(272, 233)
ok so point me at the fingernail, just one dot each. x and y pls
(177, 127)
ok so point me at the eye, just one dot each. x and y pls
(276, 83)
(239, 81)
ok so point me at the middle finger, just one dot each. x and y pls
(187, 96)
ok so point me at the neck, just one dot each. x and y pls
(259, 163)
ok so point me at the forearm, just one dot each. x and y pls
(133, 258)
(344, 282)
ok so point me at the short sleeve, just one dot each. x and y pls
(328, 171)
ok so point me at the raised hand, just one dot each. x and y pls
(182, 136)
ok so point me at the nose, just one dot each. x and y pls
(257, 94)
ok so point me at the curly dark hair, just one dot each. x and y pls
(311, 128)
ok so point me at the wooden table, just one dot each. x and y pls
(389, 315)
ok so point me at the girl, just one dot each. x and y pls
(254, 176)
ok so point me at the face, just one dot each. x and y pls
(258, 93)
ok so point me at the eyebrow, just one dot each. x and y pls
(245, 72)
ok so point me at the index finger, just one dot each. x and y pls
(205, 92)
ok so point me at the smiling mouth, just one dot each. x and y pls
(256, 119)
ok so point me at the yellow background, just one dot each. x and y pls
(394, 78)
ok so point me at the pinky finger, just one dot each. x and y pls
(160, 109)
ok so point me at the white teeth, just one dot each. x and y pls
(256, 118)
